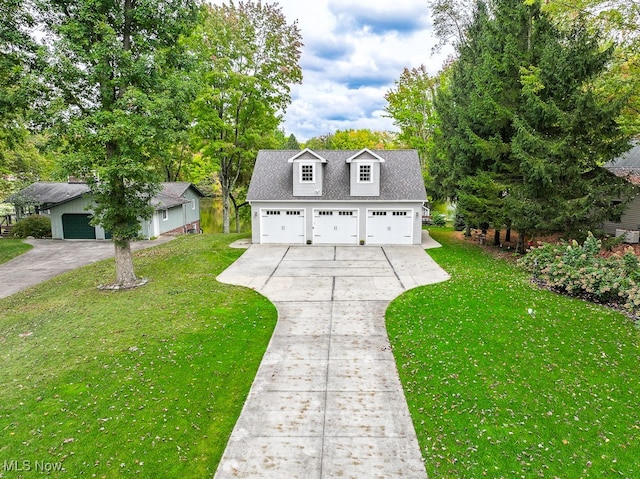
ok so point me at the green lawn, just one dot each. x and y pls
(10, 248)
(141, 383)
(497, 391)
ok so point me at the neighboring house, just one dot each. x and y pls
(627, 166)
(176, 209)
(337, 197)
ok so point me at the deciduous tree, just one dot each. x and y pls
(249, 58)
(113, 67)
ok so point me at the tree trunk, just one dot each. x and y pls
(520, 244)
(496, 238)
(507, 236)
(225, 207)
(125, 275)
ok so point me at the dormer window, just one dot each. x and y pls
(306, 173)
(364, 173)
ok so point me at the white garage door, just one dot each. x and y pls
(282, 226)
(335, 226)
(389, 226)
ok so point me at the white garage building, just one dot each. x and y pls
(337, 197)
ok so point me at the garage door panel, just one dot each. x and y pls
(335, 226)
(77, 226)
(389, 227)
(282, 226)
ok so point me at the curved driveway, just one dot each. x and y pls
(327, 401)
(49, 258)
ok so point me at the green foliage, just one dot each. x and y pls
(523, 129)
(248, 58)
(117, 97)
(38, 226)
(439, 220)
(143, 383)
(580, 270)
(504, 379)
(354, 140)
(411, 105)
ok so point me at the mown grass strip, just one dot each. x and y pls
(10, 248)
(506, 380)
(141, 383)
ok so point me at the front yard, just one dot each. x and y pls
(506, 380)
(143, 383)
(502, 379)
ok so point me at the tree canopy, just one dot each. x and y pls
(114, 73)
(249, 58)
(522, 115)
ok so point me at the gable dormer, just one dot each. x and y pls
(308, 173)
(365, 173)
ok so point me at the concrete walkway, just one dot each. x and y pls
(327, 401)
(49, 258)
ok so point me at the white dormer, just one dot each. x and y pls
(307, 173)
(365, 173)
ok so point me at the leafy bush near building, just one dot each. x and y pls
(38, 226)
(580, 270)
(439, 220)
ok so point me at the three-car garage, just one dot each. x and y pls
(329, 225)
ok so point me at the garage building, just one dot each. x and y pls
(337, 197)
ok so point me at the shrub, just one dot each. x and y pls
(38, 226)
(439, 220)
(459, 222)
(580, 270)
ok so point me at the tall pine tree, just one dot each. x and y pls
(520, 112)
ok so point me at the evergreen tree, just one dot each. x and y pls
(521, 112)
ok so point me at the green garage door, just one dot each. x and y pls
(76, 226)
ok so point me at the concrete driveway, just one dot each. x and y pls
(49, 258)
(327, 401)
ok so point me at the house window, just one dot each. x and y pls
(364, 173)
(193, 204)
(165, 215)
(306, 173)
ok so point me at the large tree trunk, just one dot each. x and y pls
(125, 275)
(496, 238)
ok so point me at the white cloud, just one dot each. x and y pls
(353, 52)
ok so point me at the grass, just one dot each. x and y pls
(141, 383)
(506, 380)
(10, 248)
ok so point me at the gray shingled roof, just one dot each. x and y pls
(627, 165)
(400, 176)
(47, 194)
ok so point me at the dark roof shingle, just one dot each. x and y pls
(400, 176)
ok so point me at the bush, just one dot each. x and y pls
(439, 220)
(459, 222)
(38, 226)
(580, 270)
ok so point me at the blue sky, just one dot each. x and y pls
(354, 51)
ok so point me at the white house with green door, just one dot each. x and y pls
(69, 206)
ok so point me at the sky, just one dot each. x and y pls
(354, 51)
